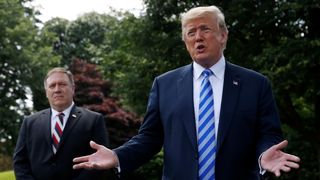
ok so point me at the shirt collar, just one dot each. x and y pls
(217, 69)
(66, 112)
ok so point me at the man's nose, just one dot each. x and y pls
(199, 35)
(57, 88)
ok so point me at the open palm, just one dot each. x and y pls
(275, 160)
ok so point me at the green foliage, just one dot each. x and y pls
(140, 52)
(82, 38)
(125, 64)
(46, 57)
(16, 44)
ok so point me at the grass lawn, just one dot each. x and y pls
(7, 175)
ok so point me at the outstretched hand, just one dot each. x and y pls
(103, 158)
(274, 160)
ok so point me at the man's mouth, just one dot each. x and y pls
(200, 48)
(58, 97)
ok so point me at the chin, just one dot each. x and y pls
(59, 105)
(205, 62)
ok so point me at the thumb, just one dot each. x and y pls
(94, 145)
(281, 145)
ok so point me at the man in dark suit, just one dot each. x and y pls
(51, 138)
(214, 119)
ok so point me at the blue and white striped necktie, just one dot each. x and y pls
(206, 130)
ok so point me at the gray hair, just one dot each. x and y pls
(203, 11)
(59, 70)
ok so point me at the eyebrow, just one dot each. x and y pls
(198, 27)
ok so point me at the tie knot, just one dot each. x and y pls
(61, 115)
(207, 72)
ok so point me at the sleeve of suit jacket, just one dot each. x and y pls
(269, 121)
(149, 140)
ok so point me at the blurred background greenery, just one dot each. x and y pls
(116, 56)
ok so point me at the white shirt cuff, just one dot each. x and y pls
(261, 170)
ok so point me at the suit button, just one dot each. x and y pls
(196, 156)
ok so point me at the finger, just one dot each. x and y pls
(78, 166)
(292, 158)
(81, 159)
(84, 165)
(285, 168)
(292, 165)
(277, 173)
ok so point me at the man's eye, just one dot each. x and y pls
(190, 34)
(205, 29)
(51, 86)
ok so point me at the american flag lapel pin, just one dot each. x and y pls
(235, 83)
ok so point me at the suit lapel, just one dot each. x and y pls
(185, 103)
(231, 90)
(46, 130)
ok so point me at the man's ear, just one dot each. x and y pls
(223, 37)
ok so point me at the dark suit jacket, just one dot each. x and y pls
(249, 124)
(34, 157)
